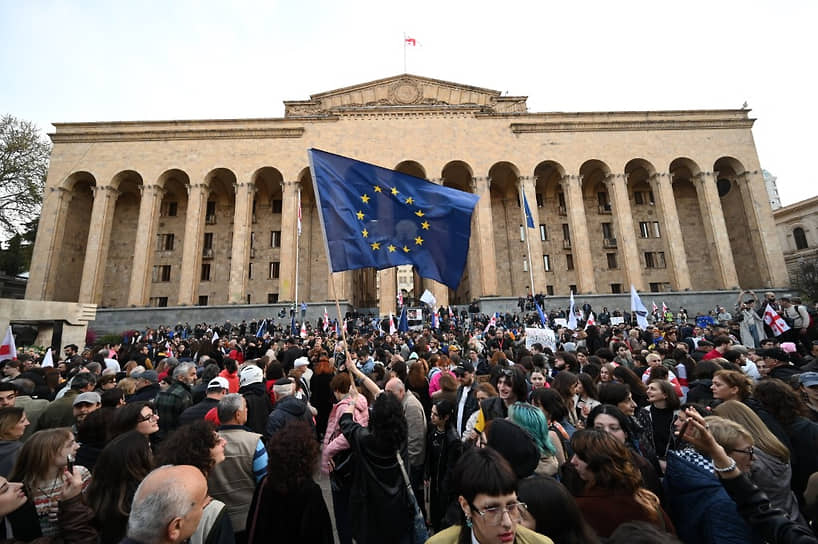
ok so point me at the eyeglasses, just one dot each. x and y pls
(748, 451)
(147, 417)
(494, 515)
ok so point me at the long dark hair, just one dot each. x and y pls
(555, 511)
(387, 423)
(292, 457)
(126, 418)
(121, 466)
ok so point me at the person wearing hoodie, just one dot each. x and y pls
(259, 405)
(288, 408)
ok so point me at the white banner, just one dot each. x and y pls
(617, 320)
(546, 337)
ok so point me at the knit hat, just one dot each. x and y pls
(789, 347)
(301, 361)
(250, 374)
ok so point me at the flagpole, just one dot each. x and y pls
(297, 244)
(343, 325)
(527, 242)
(404, 52)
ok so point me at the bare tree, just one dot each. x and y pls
(23, 166)
(806, 278)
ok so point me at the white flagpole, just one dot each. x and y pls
(404, 52)
(527, 242)
(297, 244)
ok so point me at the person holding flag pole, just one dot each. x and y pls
(528, 222)
(638, 309)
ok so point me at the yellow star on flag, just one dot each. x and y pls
(425, 225)
(391, 248)
(365, 198)
(375, 246)
(365, 233)
(377, 188)
(419, 241)
(410, 200)
(360, 215)
(405, 249)
(419, 213)
(395, 191)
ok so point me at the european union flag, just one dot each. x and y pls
(375, 217)
(529, 219)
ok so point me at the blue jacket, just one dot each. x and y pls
(700, 508)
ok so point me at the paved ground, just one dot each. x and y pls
(323, 481)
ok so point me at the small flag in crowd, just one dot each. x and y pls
(215, 337)
(7, 349)
(403, 323)
(572, 314)
(326, 319)
(261, 329)
(639, 309)
(540, 313)
(591, 321)
(775, 321)
(435, 320)
(392, 328)
(48, 359)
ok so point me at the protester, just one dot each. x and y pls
(13, 423)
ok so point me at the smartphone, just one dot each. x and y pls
(70, 464)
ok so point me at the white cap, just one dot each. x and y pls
(301, 361)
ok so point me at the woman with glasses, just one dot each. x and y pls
(43, 467)
(135, 416)
(612, 493)
(490, 512)
(198, 444)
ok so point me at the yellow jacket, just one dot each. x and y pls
(523, 536)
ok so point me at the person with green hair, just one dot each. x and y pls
(533, 421)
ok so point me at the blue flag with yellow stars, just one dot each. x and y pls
(379, 218)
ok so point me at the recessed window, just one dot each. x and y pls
(275, 238)
(800, 238)
(276, 205)
(546, 262)
(202, 300)
(569, 261)
(275, 270)
(543, 233)
(205, 271)
(161, 273)
(612, 265)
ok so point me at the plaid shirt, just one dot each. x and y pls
(170, 404)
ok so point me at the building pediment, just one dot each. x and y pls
(405, 92)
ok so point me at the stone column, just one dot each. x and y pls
(763, 232)
(626, 243)
(662, 186)
(41, 283)
(190, 270)
(533, 235)
(143, 248)
(388, 290)
(289, 239)
(242, 217)
(483, 234)
(714, 216)
(96, 249)
(580, 242)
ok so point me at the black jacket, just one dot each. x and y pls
(286, 410)
(259, 407)
(197, 411)
(469, 407)
(145, 394)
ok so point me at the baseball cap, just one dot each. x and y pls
(149, 375)
(218, 383)
(89, 396)
(809, 379)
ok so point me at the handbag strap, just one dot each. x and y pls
(252, 530)
(403, 470)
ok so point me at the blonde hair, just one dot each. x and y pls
(38, 454)
(128, 385)
(762, 437)
(727, 433)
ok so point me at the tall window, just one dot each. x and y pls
(275, 238)
(607, 230)
(250, 271)
(164, 242)
(208, 240)
(275, 269)
(276, 205)
(522, 233)
(800, 238)
(549, 290)
(655, 259)
(644, 229)
(611, 261)
(210, 215)
(539, 200)
(161, 273)
(546, 262)
(566, 232)
(205, 271)
(169, 209)
(657, 233)
(569, 261)
(543, 233)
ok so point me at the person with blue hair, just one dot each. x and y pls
(533, 421)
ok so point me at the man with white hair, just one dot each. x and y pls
(175, 399)
(167, 506)
(287, 408)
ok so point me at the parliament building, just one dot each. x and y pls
(204, 212)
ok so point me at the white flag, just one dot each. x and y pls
(572, 314)
(428, 298)
(326, 319)
(638, 309)
(775, 321)
(48, 359)
(591, 321)
(7, 349)
(215, 337)
(392, 328)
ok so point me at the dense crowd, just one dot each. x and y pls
(700, 429)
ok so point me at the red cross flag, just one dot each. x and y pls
(7, 349)
(775, 321)
(410, 41)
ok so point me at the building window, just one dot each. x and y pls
(169, 209)
(252, 240)
(272, 298)
(543, 233)
(611, 261)
(208, 240)
(275, 270)
(202, 300)
(800, 238)
(206, 272)
(161, 273)
(616, 288)
(561, 200)
(657, 233)
(546, 262)
(604, 203)
(540, 200)
(158, 302)
(607, 231)
(276, 205)
(164, 242)
(572, 288)
(643, 198)
(655, 259)
(549, 290)
(210, 214)
(248, 298)
(644, 229)
(522, 233)
(660, 287)
(525, 265)
(275, 238)
(249, 271)
(569, 261)
(566, 232)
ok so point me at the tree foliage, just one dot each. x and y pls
(806, 278)
(15, 258)
(23, 167)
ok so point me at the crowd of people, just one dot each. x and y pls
(684, 431)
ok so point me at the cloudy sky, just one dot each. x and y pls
(97, 61)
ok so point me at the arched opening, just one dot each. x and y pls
(507, 219)
(553, 230)
(217, 239)
(166, 254)
(119, 260)
(650, 228)
(313, 269)
(266, 225)
(69, 259)
(800, 238)
(459, 175)
(695, 229)
(601, 228)
(739, 217)
(408, 281)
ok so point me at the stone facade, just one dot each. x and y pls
(798, 231)
(204, 212)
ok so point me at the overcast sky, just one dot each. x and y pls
(140, 60)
